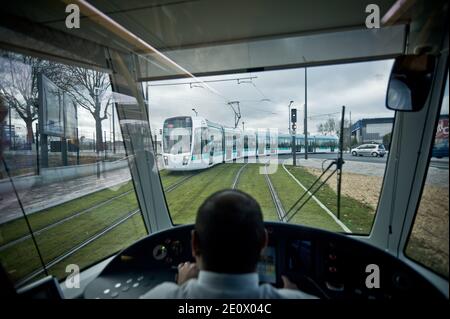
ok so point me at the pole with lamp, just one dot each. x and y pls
(294, 127)
(195, 111)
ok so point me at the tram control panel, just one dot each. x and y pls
(325, 264)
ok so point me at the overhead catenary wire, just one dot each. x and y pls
(235, 105)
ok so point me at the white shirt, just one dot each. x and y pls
(211, 285)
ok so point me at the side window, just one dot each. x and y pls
(428, 243)
(63, 146)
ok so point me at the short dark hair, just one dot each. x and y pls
(230, 232)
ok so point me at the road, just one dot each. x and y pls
(442, 163)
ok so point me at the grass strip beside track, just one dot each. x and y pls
(22, 257)
(311, 214)
(117, 239)
(17, 228)
(357, 216)
(168, 178)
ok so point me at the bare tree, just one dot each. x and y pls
(89, 89)
(328, 127)
(19, 85)
(321, 128)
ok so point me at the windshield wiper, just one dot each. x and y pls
(338, 162)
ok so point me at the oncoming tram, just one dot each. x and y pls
(191, 143)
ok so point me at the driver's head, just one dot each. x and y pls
(229, 233)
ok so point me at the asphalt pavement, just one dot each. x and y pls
(441, 163)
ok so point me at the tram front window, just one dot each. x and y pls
(261, 97)
(177, 134)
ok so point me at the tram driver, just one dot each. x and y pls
(227, 242)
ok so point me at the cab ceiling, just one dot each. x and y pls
(192, 32)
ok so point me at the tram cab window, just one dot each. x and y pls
(366, 120)
(429, 242)
(67, 200)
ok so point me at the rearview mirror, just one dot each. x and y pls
(410, 82)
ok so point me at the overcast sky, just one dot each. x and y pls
(361, 87)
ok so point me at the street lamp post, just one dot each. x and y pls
(243, 125)
(195, 111)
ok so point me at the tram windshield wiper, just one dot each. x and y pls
(339, 161)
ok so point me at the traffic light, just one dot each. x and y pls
(294, 115)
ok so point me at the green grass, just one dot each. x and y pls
(168, 178)
(357, 216)
(117, 239)
(18, 228)
(426, 254)
(255, 184)
(185, 200)
(311, 214)
(22, 258)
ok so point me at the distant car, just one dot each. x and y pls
(440, 149)
(374, 150)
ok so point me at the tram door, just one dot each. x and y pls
(245, 148)
(211, 150)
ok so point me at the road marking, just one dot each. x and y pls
(340, 223)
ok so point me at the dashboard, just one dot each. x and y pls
(325, 264)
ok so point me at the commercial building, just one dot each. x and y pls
(372, 130)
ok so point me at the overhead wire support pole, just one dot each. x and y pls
(237, 112)
(306, 114)
(340, 161)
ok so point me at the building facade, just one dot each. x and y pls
(372, 130)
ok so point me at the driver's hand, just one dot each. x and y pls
(287, 284)
(186, 271)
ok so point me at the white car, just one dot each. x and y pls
(374, 150)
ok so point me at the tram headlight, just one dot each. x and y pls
(185, 160)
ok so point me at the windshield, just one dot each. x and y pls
(126, 124)
(256, 156)
(177, 135)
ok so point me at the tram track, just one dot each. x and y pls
(79, 246)
(178, 183)
(276, 200)
(85, 211)
(97, 235)
(63, 220)
(237, 177)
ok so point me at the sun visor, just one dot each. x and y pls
(278, 53)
